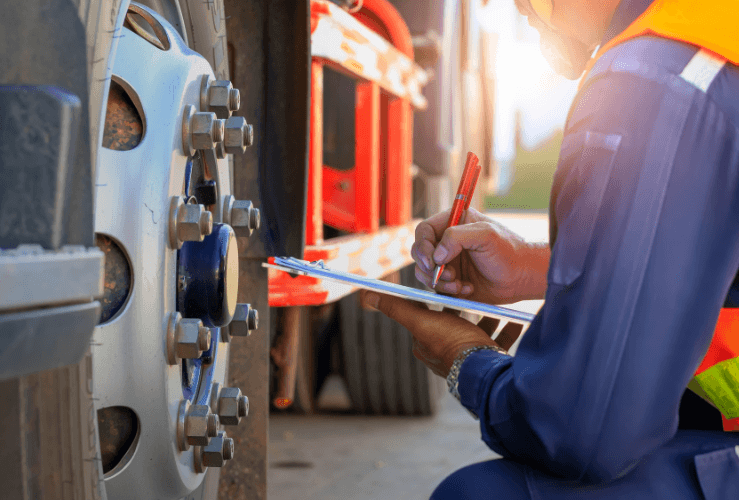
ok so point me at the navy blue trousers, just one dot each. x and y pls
(700, 465)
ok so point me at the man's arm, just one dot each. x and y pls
(645, 205)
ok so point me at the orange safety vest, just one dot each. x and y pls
(711, 25)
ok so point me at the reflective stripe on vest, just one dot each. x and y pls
(711, 25)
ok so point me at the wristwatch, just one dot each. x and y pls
(452, 379)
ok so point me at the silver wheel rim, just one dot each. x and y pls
(133, 193)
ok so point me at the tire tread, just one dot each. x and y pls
(382, 375)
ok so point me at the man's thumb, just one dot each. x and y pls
(395, 308)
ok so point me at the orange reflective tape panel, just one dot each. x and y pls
(725, 343)
(730, 424)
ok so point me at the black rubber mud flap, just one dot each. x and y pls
(382, 375)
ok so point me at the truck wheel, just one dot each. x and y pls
(382, 375)
(55, 444)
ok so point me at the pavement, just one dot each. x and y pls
(337, 455)
(342, 456)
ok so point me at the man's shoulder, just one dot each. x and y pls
(647, 57)
(651, 63)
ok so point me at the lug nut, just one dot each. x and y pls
(200, 425)
(194, 223)
(196, 425)
(206, 130)
(244, 321)
(219, 96)
(238, 135)
(232, 406)
(192, 338)
(188, 222)
(216, 453)
(186, 338)
(240, 215)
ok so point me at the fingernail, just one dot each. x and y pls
(446, 275)
(372, 300)
(466, 290)
(426, 262)
(439, 254)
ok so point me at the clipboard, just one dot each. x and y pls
(318, 269)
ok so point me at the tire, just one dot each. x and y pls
(382, 374)
(49, 436)
(49, 423)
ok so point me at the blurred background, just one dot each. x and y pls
(360, 114)
(490, 91)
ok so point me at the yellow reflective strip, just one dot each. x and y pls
(696, 388)
(721, 383)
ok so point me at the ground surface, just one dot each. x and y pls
(334, 456)
(347, 457)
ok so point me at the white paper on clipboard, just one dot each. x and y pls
(319, 270)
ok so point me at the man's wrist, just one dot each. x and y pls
(534, 276)
(452, 378)
(454, 353)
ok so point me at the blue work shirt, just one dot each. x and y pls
(644, 229)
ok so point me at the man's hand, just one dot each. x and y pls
(438, 337)
(484, 260)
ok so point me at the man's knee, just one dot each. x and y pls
(492, 479)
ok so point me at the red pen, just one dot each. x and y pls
(462, 201)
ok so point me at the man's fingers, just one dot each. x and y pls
(403, 311)
(421, 252)
(423, 277)
(458, 238)
(447, 284)
(432, 228)
(449, 287)
(449, 274)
